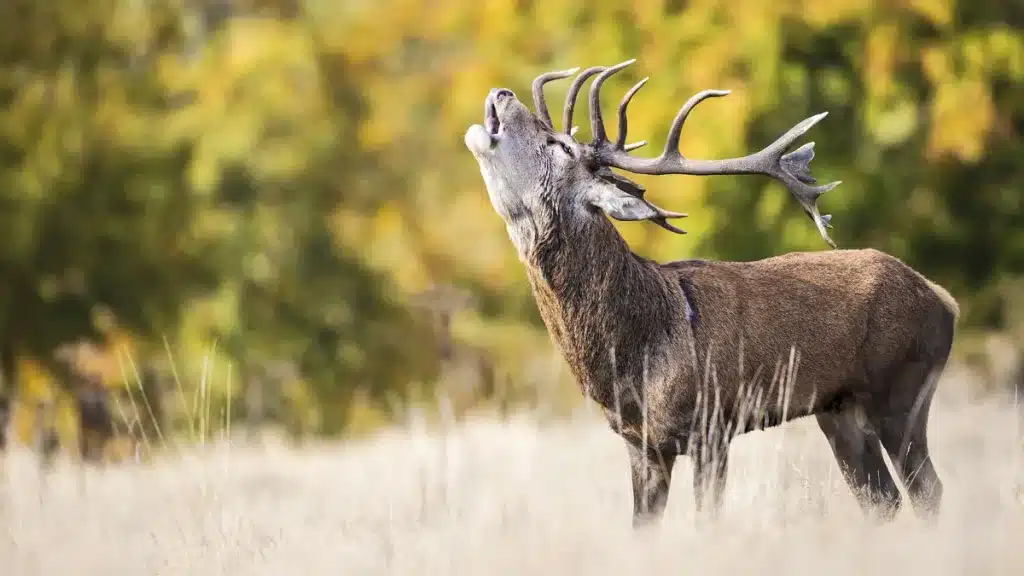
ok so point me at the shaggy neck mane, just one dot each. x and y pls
(599, 301)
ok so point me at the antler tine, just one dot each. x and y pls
(792, 169)
(620, 141)
(538, 91)
(596, 122)
(574, 92)
(676, 131)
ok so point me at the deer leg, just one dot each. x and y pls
(651, 472)
(918, 475)
(902, 422)
(710, 472)
(859, 455)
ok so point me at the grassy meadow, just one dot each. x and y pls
(513, 496)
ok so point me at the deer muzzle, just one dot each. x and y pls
(494, 98)
(480, 139)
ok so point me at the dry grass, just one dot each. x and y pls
(511, 498)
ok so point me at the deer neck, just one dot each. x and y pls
(604, 306)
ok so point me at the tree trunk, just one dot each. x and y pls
(8, 370)
(8, 389)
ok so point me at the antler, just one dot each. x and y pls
(538, 91)
(621, 182)
(792, 169)
(573, 94)
(574, 91)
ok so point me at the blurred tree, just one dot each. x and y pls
(92, 202)
(296, 291)
(155, 155)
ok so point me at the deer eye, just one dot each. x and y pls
(565, 147)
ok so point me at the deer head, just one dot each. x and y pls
(538, 177)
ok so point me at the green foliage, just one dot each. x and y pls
(146, 169)
(92, 196)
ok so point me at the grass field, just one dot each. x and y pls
(511, 497)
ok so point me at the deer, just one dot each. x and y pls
(676, 354)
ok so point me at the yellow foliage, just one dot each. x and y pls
(938, 12)
(882, 48)
(962, 114)
(822, 14)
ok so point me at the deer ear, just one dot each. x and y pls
(620, 182)
(619, 204)
(624, 206)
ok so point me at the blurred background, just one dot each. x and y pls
(260, 215)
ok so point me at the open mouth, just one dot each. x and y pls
(491, 117)
(482, 139)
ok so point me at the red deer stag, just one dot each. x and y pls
(673, 352)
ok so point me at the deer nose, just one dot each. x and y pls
(497, 94)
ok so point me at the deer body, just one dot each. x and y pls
(823, 305)
(685, 356)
